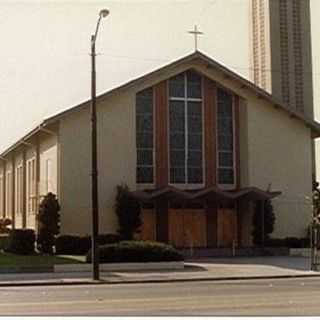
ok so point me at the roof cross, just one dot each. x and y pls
(196, 33)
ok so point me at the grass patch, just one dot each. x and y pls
(10, 259)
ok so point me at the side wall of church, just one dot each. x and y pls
(279, 155)
(116, 162)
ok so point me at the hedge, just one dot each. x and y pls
(4, 240)
(76, 244)
(290, 242)
(137, 251)
(21, 241)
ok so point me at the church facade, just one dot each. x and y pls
(198, 146)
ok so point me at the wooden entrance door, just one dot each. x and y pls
(187, 228)
(227, 228)
(148, 228)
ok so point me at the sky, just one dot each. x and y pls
(45, 62)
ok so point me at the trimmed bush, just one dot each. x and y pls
(298, 242)
(108, 238)
(276, 243)
(137, 251)
(290, 242)
(72, 244)
(49, 223)
(4, 241)
(21, 241)
(80, 245)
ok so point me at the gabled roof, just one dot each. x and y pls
(196, 56)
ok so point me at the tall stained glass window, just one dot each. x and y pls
(185, 129)
(144, 136)
(225, 131)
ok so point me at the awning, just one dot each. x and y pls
(213, 194)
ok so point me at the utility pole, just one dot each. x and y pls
(94, 162)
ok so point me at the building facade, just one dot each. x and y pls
(197, 145)
(280, 53)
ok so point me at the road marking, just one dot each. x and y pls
(225, 308)
(236, 298)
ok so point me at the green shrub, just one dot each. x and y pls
(80, 245)
(108, 238)
(290, 242)
(21, 241)
(4, 241)
(276, 243)
(72, 244)
(49, 223)
(297, 242)
(128, 211)
(269, 221)
(137, 251)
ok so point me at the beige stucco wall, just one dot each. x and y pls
(116, 162)
(30, 217)
(48, 154)
(9, 207)
(18, 161)
(280, 155)
(1, 188)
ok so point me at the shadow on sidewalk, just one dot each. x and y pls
(287, 262)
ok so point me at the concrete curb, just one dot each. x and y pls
(104, 282)
(26, 269)
(117, 267)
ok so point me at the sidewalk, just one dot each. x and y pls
(197, 270)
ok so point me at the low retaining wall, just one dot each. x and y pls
(237, 252)
(134, 266)
(300, 252)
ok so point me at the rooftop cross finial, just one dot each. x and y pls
(196, 33)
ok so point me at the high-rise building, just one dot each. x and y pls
(280, 55)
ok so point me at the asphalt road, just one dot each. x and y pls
(292, 297)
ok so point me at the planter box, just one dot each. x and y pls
(238, 252)
(116, 267)
(300, 252)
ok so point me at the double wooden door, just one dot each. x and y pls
(227, 228)
(149, 225)
(187, 228)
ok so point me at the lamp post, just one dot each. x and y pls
(94, 166)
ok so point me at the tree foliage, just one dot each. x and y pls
(128, 211)
(316, 202)
(269, 220)
(49, 223)
(4, 225)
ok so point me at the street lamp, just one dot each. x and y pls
(94, 167)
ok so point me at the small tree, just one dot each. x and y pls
(269, 220)
(316, 201)
(49, 223)
(128, 211)
(4, 225)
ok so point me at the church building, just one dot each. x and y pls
(198, 146)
